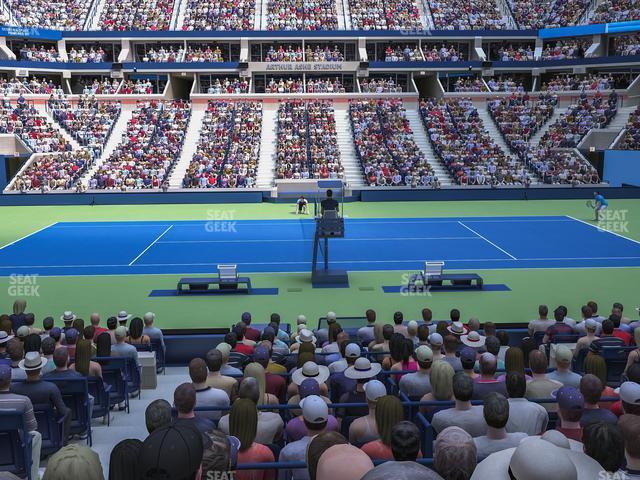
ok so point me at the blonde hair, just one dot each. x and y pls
(255, 370)
(19, 306)
(377, 333)
(441, 378)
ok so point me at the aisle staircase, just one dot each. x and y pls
(190, 145)
(267, 161)
(353, 174)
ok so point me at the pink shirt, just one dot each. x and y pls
(256, 453)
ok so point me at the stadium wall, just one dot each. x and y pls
(622, 167)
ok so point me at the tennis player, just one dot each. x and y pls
(302, 205)
(601, 205)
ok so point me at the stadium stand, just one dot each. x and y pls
(631, 138)
(547, 14)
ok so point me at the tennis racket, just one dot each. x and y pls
(591, 204)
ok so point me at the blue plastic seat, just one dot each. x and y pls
(75, 394)
(51, 428)
(15, 444)
(101, 393)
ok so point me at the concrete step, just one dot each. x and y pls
(192, 137)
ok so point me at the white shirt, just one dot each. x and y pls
(528, 417)
(486, 446)
(211, 397)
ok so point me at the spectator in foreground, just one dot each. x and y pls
(184, 399)
(154, 333)
(605, 444)
(74, 461)
(487, 382)
(389, 412)
(172, 451)
(123, 461)
(464, 415)
(364, 429)
(540, 386)
(563, 373)
(416, 385)
(226, 369)
(22, 404)
(315, 415)
(122, 349)
(345, 462)
(215, 378)
(206, 396)
(591, 389)
(454, 454)
(157, 414)
(630, 428)
(496, 414)
(405, 445)
(524, 416)
(570, 407)
(243, 423)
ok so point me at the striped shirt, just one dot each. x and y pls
(12, 401)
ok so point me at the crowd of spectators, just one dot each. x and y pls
(59, 15)
(567, 82)
(519, 52)
(228, 85)
(228, 148)
(307, 142)
(282, 85)
(101, 86)
(225, 15)
(43, 86)
(39, 54)
(397, 53)
(284, 54)
(610, 11)
(88, 120)
(149, 148)
(470, 84)
(139, 87)
(565, 49)
(627, 45)
(326, 54)
(461, 141)
(464, 15)
(163, 54)
(495, 406)
(13, 86)
(54, 171)
(562, 167)
(125, 15)
(325, 85)
(442, 53)
(379, 85)
(207, 54)
(386, 147)
(549, 14)
(631, 138)
(301, 15)
(82, 55)
(520, 116)
(393, 15)
(505, 84)
(582, 116)
(24, 120)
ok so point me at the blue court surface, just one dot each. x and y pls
(109, 248)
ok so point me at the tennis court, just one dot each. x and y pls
(166, 247)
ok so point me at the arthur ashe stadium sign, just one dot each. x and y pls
(303, 67)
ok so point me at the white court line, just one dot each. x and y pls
(150, 245)
(602, 229)
(311, 240)
(28, 235)
(488, 241)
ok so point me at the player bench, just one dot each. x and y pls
(419, 282)
(227, 281)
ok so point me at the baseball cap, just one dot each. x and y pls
(121, 332)
(5, 373)
(352, 351)
(172, 451)
(224, 349)
(468, 354)
(412, 325)
(72, 335)
(74, 461)
(246, 316)
(374, 389)
(630, 393)
(569, 398)
(308, 387)
(563, 353)
(301, 320)
(424, 353)
(314, 409)
(22, 332)
(261, 353)
(331, 317)
(591, 324)
(55, 332)
(435, 339)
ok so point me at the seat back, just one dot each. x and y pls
(156, 346)
(143, 347)
(15, 443)
(50, 427)
(616, 359)
(100, 393)
(75, 394)
(133, 374)
(114, 373)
